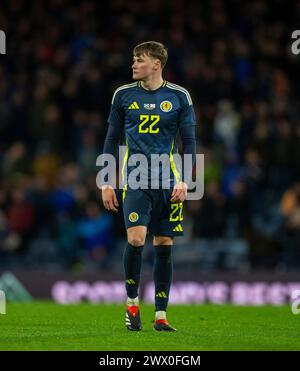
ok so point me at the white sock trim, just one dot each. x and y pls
(161, 314)
(131, 302)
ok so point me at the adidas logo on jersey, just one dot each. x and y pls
(134, 105)
(178, 228)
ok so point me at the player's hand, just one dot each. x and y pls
(109, 198)
(179, 192)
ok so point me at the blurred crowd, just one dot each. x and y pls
(65, 58)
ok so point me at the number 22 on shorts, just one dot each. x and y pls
(174, 210)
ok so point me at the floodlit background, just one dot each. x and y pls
(65, 58)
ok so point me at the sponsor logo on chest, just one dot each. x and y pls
(149, 106)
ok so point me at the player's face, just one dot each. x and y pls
(143, 66)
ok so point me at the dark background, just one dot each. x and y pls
(65, 58)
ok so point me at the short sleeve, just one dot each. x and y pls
(115, 117)
(187, 114)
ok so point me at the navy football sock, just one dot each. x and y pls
(132, 260)
(162, 275)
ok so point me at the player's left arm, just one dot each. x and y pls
(187, 129)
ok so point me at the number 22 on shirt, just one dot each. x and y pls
(148, 124)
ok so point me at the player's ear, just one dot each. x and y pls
(157, 64)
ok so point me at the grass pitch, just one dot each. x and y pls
(49, 326)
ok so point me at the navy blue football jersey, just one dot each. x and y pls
(151, 120)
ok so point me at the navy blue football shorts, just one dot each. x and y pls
(153, 208)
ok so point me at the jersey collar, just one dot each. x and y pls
(152, 91)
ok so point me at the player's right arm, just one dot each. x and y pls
(115, 121)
